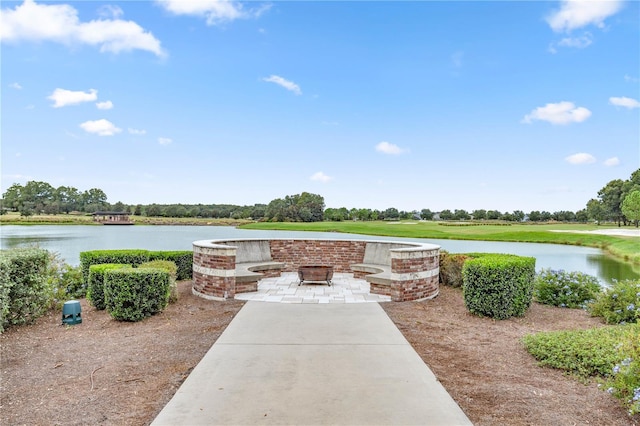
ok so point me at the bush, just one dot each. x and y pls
(624, 383)
(183, 260)
(451, 268)
(565, 289)
(618, 304)
(498, 285)
(585, 352)
(24, 275)
(96, 257)
(64, 280)
(95, 292)
(172, 269)
(134, 294)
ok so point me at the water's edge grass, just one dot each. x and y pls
(624, 248)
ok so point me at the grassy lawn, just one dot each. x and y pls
(627, 248)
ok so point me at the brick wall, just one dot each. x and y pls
(339, 254)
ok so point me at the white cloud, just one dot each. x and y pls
(214, 11)
(558, 113)
(100, 127)
(104, 105)
(389, 148)
(110, 11)
(613, 161)
(630, 79)
(164, 141)
(580, 158)
(624, 102)
(137, 131)
(321, 177)
(576, 42)
(63, 97)
(575, 14)
(16, 86)
(289, 85)
(60, 23)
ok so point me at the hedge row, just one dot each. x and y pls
(95, 287)
(24, 290)
(182, 259)
(134, 294)
(498, 285)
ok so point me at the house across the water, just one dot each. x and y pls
(112, 218)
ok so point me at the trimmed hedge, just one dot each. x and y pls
(183, 259)
(134, 294)
(95, 288)
(24, 290)
(498, 285)
(172, 269)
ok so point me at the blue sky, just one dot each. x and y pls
(440, 105)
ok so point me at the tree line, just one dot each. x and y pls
(618, 201)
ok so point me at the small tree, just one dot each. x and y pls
(631, 207)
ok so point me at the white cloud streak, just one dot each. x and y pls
(60, 23)
(580, 158)
(215, 12)
(611, 162)
(165, 141)
(389, 148)
(575, 14)
(63, 97)
(625, 102)
(558, 113)
(16, 86)
(104, 105)
(289, 85)
(100, 127)
(137, 131)
(320, 177)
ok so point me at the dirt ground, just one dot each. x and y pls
(108, 372)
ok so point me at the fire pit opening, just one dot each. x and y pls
(315, 273)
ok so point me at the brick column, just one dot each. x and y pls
(414, 273)
(214, 270)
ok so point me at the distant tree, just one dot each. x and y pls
(479, 214)
(631, 207)
(612, 196)
(461, 215)
(426, 214)
(493, 215)
(446, 214)
(596, 211)
(518, 215)
(391, 213)
(535, 216)
(119, 207)
(545, 216)
(582, 216)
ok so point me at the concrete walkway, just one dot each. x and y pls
(311, 364)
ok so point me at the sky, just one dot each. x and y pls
(501, 105)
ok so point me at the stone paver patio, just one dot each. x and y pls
(285, 289)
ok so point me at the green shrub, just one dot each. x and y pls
(565, 289)
(624, 383)
(24, 273)
(95, 292)
(172, 269)
(5, 288)
(618, 304)
(96, 257)
(64, 280)
(134, 294)
(584, 352)
(183, 260)
(451, 268)
(498, 285)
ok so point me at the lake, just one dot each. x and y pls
(70, 240)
